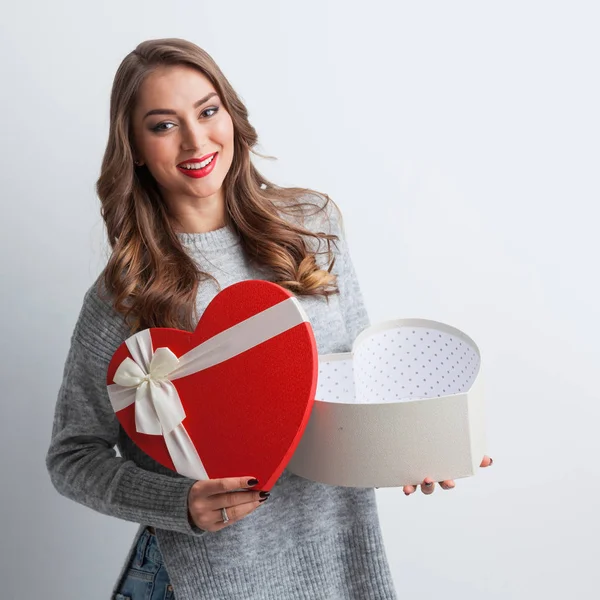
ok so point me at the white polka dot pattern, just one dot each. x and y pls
(402, 363)
(336, 381)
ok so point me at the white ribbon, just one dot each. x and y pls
(146, 379)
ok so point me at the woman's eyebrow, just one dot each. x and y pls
(168, 111)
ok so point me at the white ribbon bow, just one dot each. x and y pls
(146, 379)
(158, 407)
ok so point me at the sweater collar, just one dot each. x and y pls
(217, 239)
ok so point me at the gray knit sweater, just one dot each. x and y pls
(309, 541)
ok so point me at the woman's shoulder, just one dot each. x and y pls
(99, 326)
(314, 211)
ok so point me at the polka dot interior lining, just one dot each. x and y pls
(400, 364)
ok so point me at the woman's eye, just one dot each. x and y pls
(158, 127)
(215, 110)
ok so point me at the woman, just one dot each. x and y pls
(187, 214)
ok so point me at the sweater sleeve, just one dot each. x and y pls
(82, 461)
(325, 217)
(352, 302)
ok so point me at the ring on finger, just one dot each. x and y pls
(224, 515)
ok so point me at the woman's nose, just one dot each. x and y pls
(194, 137)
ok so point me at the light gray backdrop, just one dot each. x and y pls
(461, 140)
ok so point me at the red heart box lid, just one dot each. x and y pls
(233, 398)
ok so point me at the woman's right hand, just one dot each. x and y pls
(206, 499)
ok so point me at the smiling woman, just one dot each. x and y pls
(197, 141)
(187, 213)
(176, 118)
(198, 166)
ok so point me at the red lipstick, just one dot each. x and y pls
(198, 173)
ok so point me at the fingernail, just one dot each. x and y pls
(264, 494)
(252, 482)
(491, 461)
(407, 493)
(428, 484)
(264, 499)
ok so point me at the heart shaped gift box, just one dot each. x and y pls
(405, 404)
(230, 399)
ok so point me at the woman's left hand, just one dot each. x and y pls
(428, 486)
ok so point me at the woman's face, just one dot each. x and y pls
(178, 119)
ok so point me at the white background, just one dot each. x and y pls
(460, 139)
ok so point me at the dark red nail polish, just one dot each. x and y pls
(264, 499)
(264, 494)
(252, 482)
(491, 461)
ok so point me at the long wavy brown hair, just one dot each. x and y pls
(149, 276)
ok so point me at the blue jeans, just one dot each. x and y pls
(146, 577)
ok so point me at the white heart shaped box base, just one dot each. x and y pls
(405, 404)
